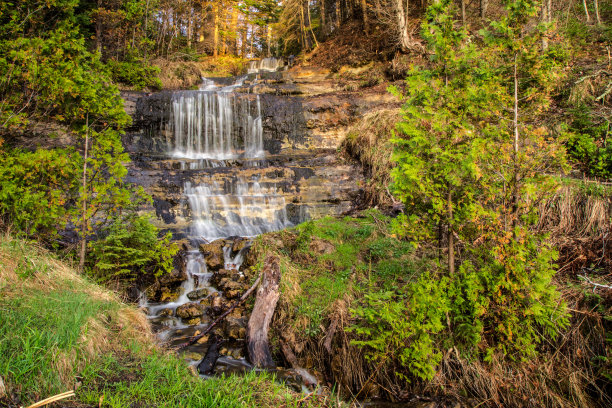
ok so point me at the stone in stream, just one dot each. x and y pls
(198, 294)
(231, 289)
(165, 312)
(213, 254)
(189, 310)
(235, 328)
(221, 274)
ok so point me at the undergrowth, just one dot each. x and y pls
(376, 315)
(60, 332)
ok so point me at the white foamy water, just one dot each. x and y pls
(242, 208)
(216, 123)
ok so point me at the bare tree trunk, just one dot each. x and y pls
(451, 237)
(84, 207)
(364, 11)
(483, 8)
(463, 12)
(404, 39)
(597, 18)
(269, 39)
(338, 16)
(245, 30)
(216, 32)
(516, 145)
(314, 37)
(586, 11)
(234, 28)
(323, 19)
(189, 25)
(261, 316)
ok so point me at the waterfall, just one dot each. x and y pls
(239, 208)
(216, 123)
(269, 64)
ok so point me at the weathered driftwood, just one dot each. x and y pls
(212, 354)
(329, 337)
(261, 316)
(220, 318)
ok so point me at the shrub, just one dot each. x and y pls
(135, 72)
(35, 188)
(130, 249)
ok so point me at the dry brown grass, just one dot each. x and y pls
(369, 141)
(178, 74)
(27, 271)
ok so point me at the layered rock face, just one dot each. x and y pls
(259, 153)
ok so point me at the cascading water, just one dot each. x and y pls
(211, 127)
(244, 208)
(216, 123)
(269, 64)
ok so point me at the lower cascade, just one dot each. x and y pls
(244, 208)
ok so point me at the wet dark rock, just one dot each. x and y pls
(231, 288)
(176, 277)
(189, 310)
(235, 328)
(165, 312)
(198, 294)
(213, 254)
(222, 274)
(239, 244)
(169, 294)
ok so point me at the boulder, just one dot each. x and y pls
(169, 295)
(189, 310)
(221, 274)
(231, 289)
(198, 294)
(174, 278)
(213, 254)
(239, 244)
(165, 312)
(235, 328)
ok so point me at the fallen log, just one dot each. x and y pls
(212, 354)
(261, 316)
(220, 318)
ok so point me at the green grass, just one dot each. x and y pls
(59, 331)
(365, 257)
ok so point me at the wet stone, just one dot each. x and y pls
(189, 310)
(165, 312)
(198, 294)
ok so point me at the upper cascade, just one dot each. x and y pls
(216, 123)
(269, 64)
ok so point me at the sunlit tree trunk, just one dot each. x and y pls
(596, 5)
(84, 206)
(234, 29)
(338, 16)
(400, 14)
(483, 8)
(216, 30)
(323, 19)
(364, 11)
(586, 11)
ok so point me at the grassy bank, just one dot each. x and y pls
(359, 305)
(60, 332)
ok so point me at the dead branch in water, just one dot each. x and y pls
(261, 316)
(220, 318)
